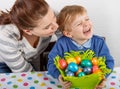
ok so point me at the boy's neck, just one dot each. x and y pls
(81, 42)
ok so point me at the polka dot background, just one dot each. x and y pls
(28, 80)
(113, 81)
(42, 80)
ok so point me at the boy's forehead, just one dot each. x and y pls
(80, 17)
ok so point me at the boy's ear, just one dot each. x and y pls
(27, 31)
(66, 33)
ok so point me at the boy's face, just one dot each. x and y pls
(81, 29)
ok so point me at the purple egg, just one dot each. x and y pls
(87, 70)
(69, 73)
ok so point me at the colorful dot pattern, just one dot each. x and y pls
(28, 80)
(42, 80)
(113, 81)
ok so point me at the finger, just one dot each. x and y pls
(60, 78)
(67, 84)
(67, 87)
(103, 83)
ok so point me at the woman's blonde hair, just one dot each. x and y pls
(67, 15)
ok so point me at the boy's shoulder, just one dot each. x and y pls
(97, 37)
(62, 38)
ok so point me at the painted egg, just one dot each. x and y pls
(73, 67)
(69, 73)
(94, 68)
(79, 70)
(87, 70)
(94, 61)
(86, 63)
(81, 74)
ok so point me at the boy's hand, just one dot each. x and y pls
(66, 84)
(101, 85)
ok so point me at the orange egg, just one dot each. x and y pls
(78, 59)
(79, 70)
(94, 61)
(97, 71)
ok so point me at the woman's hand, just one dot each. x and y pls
(101, 85)
(66, 84)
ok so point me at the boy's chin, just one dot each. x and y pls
(89, 36)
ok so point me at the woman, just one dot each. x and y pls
(25, 32)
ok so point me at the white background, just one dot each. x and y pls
(105, 15)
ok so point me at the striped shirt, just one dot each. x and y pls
(17, 53)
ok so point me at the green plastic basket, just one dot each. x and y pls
(84, 82)
(88, 81)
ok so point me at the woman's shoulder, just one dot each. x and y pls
(9, 31)
(9, 34)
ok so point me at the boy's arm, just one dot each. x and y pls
(51, 66)
(104, 51)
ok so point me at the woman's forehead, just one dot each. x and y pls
(47, 19)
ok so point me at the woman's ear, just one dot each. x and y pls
(66, 33)
(27, 31)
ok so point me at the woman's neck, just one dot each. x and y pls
(32, 39)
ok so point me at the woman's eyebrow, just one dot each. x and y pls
(54, 16)
(48, 25)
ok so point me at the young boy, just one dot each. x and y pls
(77, 31)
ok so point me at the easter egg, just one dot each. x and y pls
(79, 70)
(94, 68)
(86, 63)
(69, 73)
(94, 61)
(81, 74)
(87, 70)
(62, 64)
(78, 59)
(73, 67)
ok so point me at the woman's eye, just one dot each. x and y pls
(79, 24)
(47, 27)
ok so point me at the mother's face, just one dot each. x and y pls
(46, 26)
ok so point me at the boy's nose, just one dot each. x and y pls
(85, 24)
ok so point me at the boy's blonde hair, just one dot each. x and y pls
(67, 15)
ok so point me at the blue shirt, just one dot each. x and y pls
(86, 44)
(65, 44)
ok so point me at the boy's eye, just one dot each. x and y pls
(87, 19)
